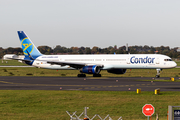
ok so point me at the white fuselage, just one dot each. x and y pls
(109, 61)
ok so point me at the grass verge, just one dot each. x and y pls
(52, 105)
(32, 71)
(11, 63)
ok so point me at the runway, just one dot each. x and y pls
(87, 84)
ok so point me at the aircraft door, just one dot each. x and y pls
(128, 60)
(157, 60)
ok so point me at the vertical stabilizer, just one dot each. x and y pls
(29, 49)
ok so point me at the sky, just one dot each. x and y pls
(89, 23)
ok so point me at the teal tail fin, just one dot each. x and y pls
(29, 49)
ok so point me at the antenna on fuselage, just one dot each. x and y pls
(127, 48)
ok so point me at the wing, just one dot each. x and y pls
(76, 65)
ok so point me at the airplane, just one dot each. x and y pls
(94, 63)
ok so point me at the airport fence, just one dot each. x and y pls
(74, 116)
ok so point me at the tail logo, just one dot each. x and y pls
(27, 46)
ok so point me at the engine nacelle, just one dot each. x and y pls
(117, 71)
(91, 69)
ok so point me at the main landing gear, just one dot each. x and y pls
(158, 73)
(84, 75)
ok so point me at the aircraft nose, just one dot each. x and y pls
(174, 64)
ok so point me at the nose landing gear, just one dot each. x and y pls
(158, 73)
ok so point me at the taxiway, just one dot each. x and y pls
(87, 84)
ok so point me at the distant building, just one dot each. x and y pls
(156, 52)
(178, 50)
(5, 57)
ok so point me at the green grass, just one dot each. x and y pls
(178, 62)
(52, 105)
(11, 63)
(32, 71)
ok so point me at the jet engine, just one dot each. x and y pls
(117, 71)
(94, 69)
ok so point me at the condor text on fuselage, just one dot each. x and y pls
(145, 60)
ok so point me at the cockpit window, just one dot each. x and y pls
(167, 59)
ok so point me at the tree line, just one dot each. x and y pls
(171, 52)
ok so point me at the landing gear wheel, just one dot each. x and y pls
(158, 73)
(81, 75)
(96, 75)
(157, 76)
